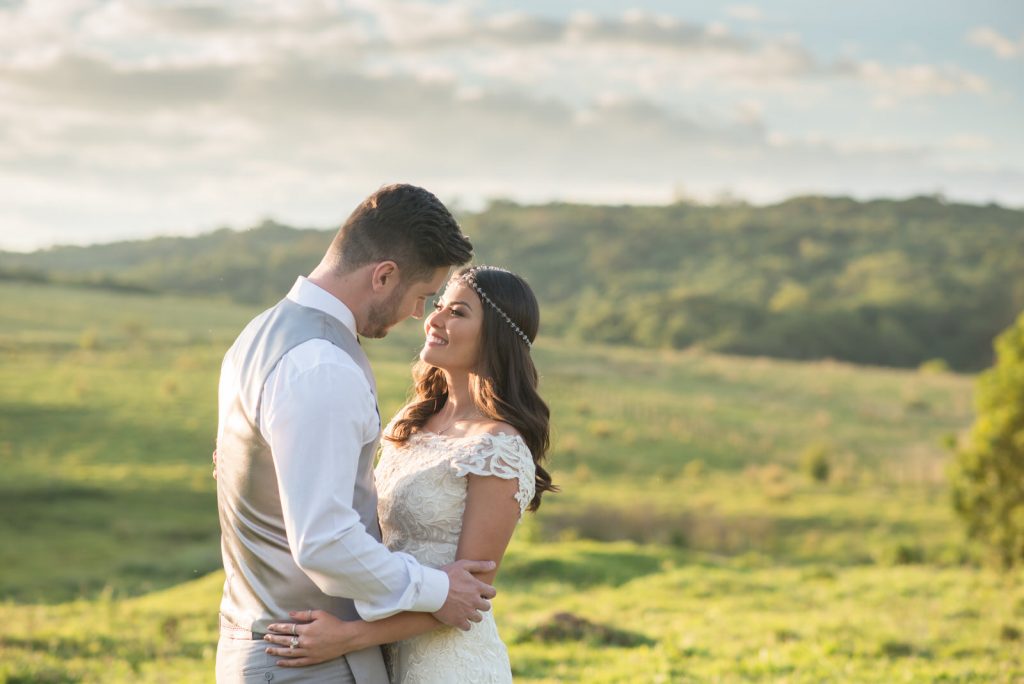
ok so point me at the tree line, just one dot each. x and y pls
(889, 282)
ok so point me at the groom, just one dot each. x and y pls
(296, 441)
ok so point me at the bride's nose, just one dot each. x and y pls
(431, 320)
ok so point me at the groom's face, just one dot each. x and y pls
(407, 299)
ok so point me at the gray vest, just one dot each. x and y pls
(263, 582)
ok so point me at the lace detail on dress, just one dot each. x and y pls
(421, 486)
(504, 456)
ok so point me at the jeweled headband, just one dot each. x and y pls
(469, 278)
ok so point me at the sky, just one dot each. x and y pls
(125, 119)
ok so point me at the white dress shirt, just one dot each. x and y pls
(316, 413)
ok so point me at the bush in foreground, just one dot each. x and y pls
(988, 474)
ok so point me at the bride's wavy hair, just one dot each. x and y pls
(504, 388)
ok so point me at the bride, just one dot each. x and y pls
(460, 465)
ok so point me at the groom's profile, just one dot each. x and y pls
(297, 435)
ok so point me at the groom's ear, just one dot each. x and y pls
(384, 276)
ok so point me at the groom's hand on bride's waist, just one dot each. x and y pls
(467, 596)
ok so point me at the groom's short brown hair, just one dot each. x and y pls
(405, 224)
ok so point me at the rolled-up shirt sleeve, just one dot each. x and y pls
(316, 418)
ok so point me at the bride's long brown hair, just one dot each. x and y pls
(504, 388)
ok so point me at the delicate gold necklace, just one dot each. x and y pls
(475, 414)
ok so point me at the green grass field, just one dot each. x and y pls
(690, 543)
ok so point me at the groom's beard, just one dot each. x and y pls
(382, 317)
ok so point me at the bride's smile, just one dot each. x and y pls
(453, 330)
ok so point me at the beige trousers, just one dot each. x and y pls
(243, 661)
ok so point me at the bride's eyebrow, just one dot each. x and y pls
(459, 301)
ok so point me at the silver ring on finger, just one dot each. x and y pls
(293, 628)
(294, 643)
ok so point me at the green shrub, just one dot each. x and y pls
(89, 339)
(1009, 633)
(904, 553)
(934, 367)
(815, 462)
(896, 649)
(987, 476)
(694, 469)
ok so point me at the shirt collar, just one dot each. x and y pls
(306, 293)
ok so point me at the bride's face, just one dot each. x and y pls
(453, 329)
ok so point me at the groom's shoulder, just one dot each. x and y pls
(248, 333)
(253, 327)
(322, 357)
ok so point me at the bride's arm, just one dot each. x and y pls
(487, 525)
(489, 520)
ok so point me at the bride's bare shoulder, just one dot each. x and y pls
(493, 427)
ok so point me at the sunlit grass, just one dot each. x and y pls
(687, 617)
(688, 519)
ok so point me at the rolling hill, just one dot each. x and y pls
(884, 282)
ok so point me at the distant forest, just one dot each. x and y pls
(885, 282)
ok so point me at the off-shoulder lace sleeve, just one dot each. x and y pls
(501, 455)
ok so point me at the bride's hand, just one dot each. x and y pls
(320, 637)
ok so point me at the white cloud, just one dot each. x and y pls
(968, 142)
(919, 80)
(988, 38)
(745, 12)
(643, 54)
(233, 111)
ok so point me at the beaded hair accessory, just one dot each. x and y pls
(469, 278)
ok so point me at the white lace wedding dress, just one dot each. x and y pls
(421, 486)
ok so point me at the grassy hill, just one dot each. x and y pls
(585, 612)
(884, 282)
(692, 541)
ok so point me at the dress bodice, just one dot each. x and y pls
(421, 486)
(422, 496)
